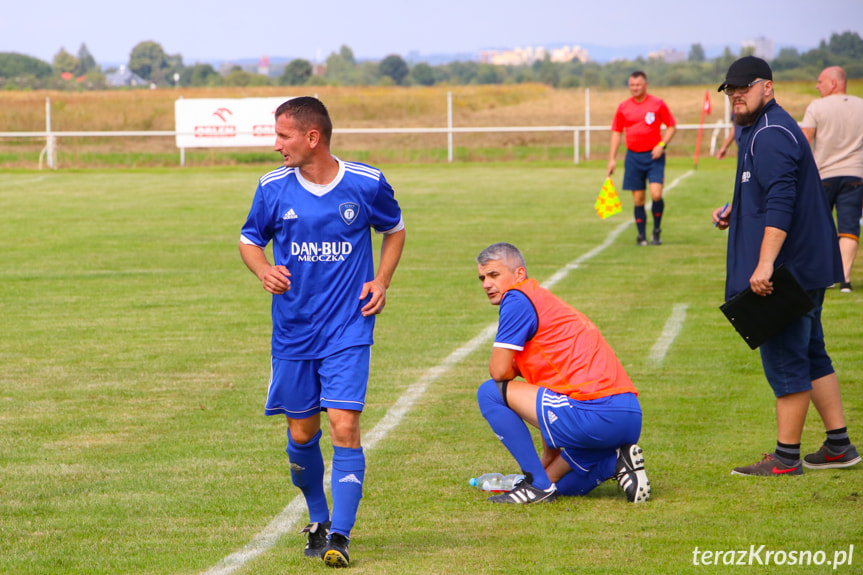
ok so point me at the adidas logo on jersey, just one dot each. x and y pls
(290, 215)
(350, 478)
(551, 417)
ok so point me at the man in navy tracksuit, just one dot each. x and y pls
(779, 216)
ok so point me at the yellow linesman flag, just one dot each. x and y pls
(607, 203)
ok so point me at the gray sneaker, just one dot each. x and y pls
(769, 466)
(824, 458)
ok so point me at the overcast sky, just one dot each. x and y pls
(232, 30)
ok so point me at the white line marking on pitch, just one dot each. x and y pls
(22, 182)
(285, 521)
(669, 332)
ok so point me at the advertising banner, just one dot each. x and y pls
(225, 122)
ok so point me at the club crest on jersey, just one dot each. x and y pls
(349, 212)
(649, 118)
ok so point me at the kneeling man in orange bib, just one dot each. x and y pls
(575, 392)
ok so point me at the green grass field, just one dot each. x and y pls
(134, 352)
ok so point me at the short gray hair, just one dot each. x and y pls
(308, 113)
(504, 252)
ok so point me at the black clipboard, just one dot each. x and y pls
(758, 318)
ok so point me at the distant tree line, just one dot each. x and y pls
(149, 61)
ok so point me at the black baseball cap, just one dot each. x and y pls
(745, 71)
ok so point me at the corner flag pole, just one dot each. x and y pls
(705, 109)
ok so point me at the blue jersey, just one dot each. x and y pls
(517, 321)
(322, 234)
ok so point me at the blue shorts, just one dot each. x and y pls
(588, 431)
(640, 168)
(301, 388)
(846, 193)
(796, 357)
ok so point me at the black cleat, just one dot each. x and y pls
(524, 493)
(656, 241)
(336, 552)
(317, 538)
(630, 474)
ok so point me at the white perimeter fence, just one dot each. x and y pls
(578, 133)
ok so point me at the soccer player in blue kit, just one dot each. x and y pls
(319, 212)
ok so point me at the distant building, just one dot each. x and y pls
(264, 66)
(516, 57)
(763, 47)
(124, 77)
(569, 53)
(667, 55)
(529, 55)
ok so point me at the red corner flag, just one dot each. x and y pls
(705, 109)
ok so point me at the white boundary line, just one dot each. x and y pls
(23, 182)
(285, 521)
(669, 332)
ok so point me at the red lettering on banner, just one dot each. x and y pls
(215, 131)
(266, 130)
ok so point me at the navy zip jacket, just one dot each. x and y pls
(778, 185)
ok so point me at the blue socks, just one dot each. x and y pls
(513, 432)
(307, 473)
(349, 471)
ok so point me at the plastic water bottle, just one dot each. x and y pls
(509, 481)
(497, 482)
(488, 481)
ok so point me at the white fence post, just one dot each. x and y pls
(449, 125)
(182, 150)
(587, 123)
(575, 140)
(727, 116)
(49, 142)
